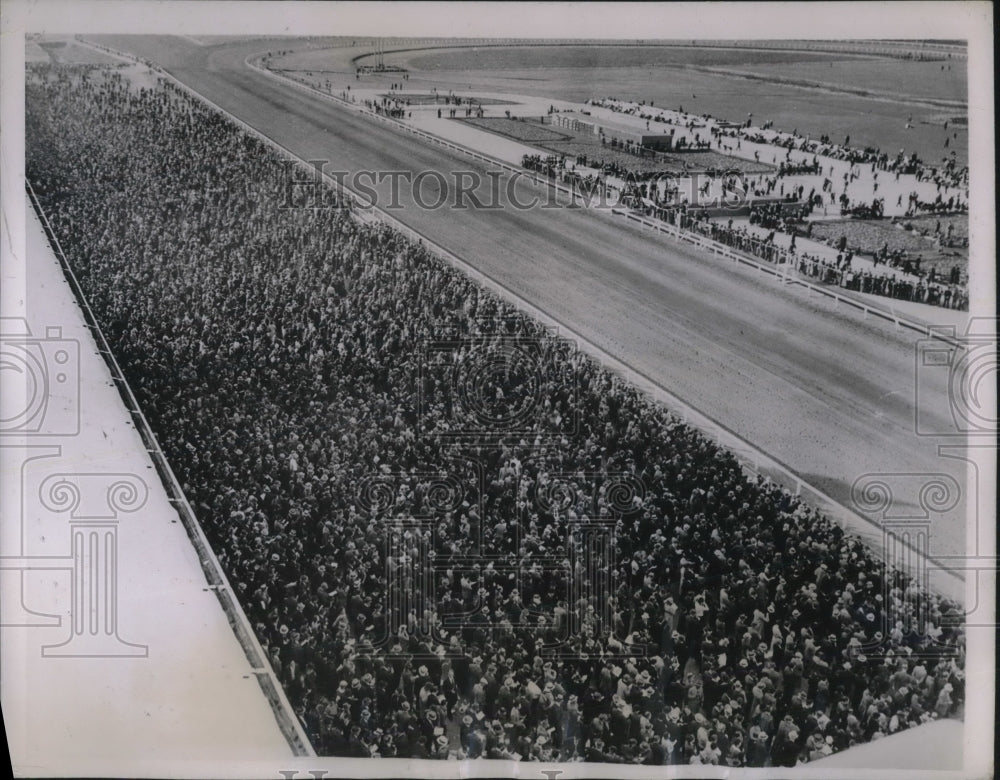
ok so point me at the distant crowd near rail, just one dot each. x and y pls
(766, 202)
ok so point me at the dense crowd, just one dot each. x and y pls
(277, 354)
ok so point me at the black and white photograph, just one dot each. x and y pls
(537, 390)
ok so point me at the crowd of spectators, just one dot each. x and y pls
(392, 107)
(555, 166)
(926, 289)
(776, 216)
(803, 168)
(277, 354)
(947, 174)
(660, 196)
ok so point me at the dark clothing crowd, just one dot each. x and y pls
(280, 355)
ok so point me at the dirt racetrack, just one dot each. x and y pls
(826, 392)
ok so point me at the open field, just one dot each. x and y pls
(603, 57)
(959, 224)
(867, 121)
(333, 57)
(900, 78)
(529, 131)
(671, 313)
(34, 53)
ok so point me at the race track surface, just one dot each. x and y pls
(826, 392)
